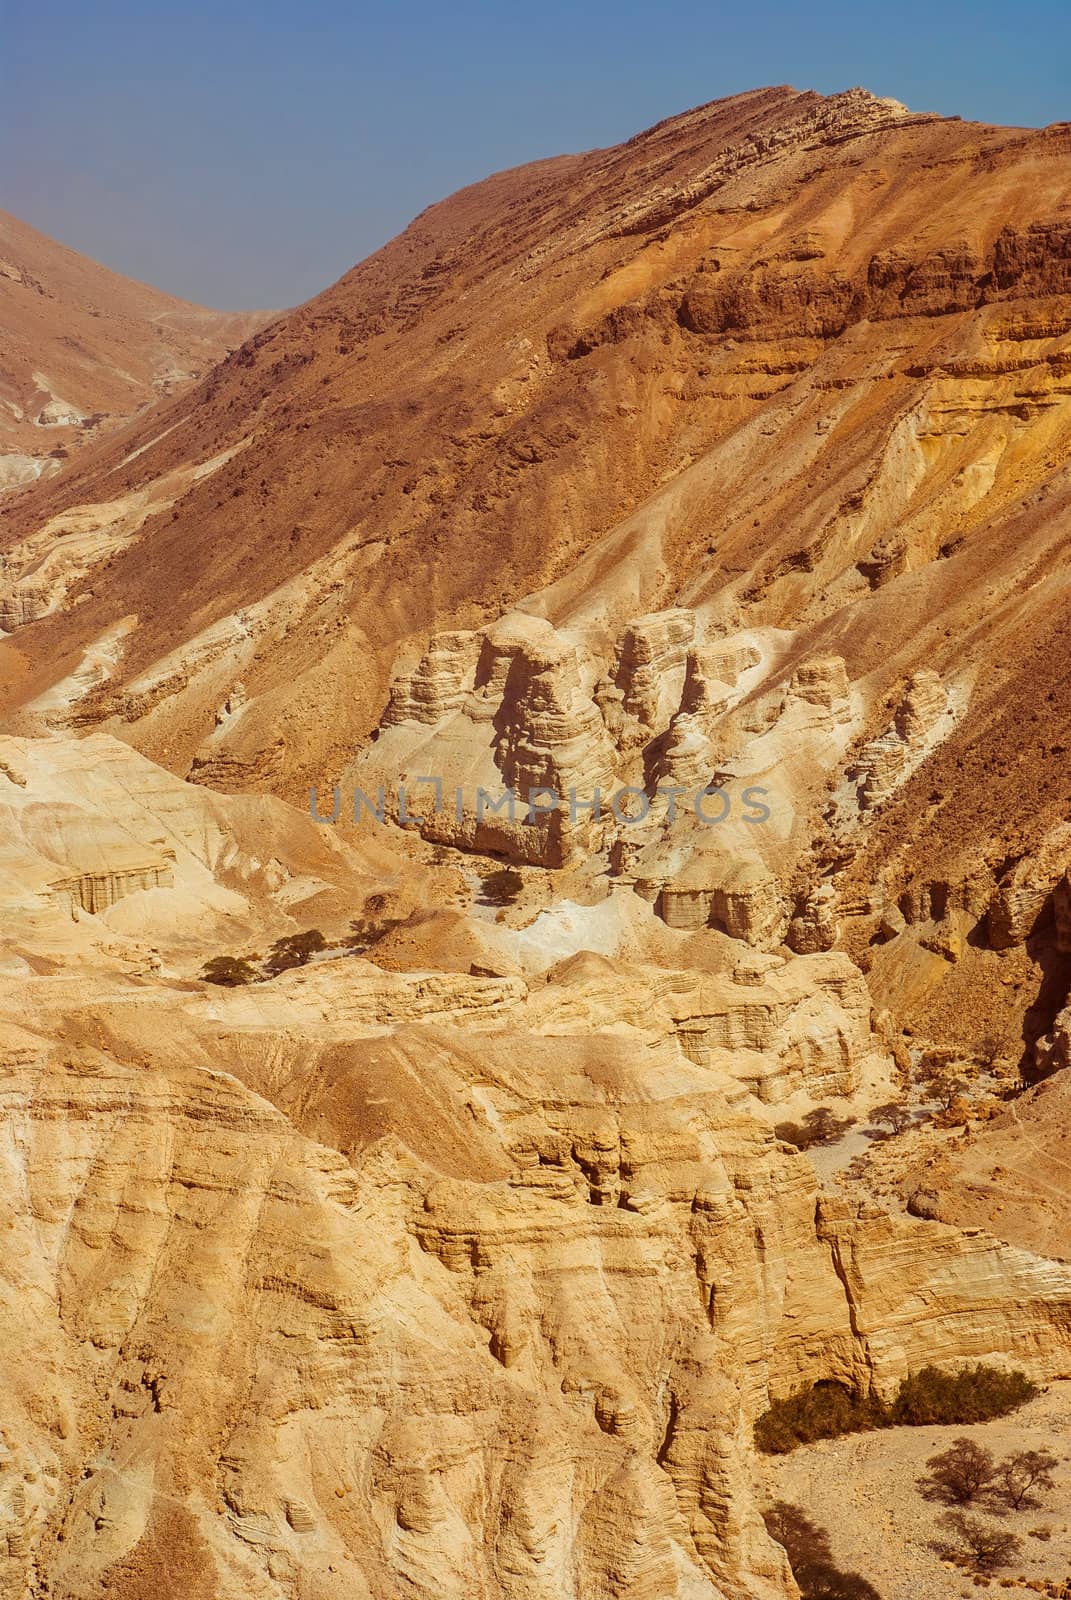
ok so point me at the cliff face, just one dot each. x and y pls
(339, 1306)
(427, 1280)
(794, 366)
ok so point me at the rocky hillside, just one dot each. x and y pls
(718, 483)
(798, 367)
(83, 350)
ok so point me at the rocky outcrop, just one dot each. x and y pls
(924, 704)
(651, 656)
(740, 897)
(1028, 889)
(96, 891)
(883, 764)
(798, 1025)
(437, 686)
(824, 685)
(814, 925)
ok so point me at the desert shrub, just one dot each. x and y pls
(230, 971)
(811, 1560)
(826, 1409)
(893, 1115)
(820, 1126)
(822, 1411)
(974, 1394)
(500, 887)
(980, 1543)
(1019, 1474)
(294, 950)
(959, 1474)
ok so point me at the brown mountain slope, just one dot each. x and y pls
(82, 349)
(802, 365)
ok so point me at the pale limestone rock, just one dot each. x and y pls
(1024, 892)
(880, 767)
(686, 758)
(804, 1024)
(814, 926)
(823, 683)
(1052, 1052)
(739, 896)
(717, 664)
(924, 704)
(438, 684)
(651, 656)
(883, 763)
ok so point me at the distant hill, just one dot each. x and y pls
(82, 349)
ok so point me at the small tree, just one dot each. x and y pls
(892, 1115)
(823, 1581)
(960, 1473)
(803, 1539)
(820, 1126)
(294, 950)
(1021, 1473)
(501, 887)
(982, 1543)
(230, 971)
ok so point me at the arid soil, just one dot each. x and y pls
(864, 1490)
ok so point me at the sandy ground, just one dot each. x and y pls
(861, 1489)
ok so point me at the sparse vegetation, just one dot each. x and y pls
(230, 971)
(500, 887)
(893, 1115)
(820, 1126)
(827, 1409)
(981, 1544)
(1021, 1473)
(294, 951)
(811, 1559)
(368, 931)
(974, 1394)
(374, 923)
(960, 1474)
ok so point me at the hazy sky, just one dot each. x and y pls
(247, 154)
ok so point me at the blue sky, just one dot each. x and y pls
(247, 154)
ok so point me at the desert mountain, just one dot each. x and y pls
(84, 349)
(795, 366)
(456, 1255)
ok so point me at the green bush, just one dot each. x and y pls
(822, 1411)
(230, 971)
(294, 950)
(975, 1394)
(820, 1126)
(979, 1544)
(500, 887)
(827, 1409)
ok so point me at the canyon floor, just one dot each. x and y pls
(863, 1488)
